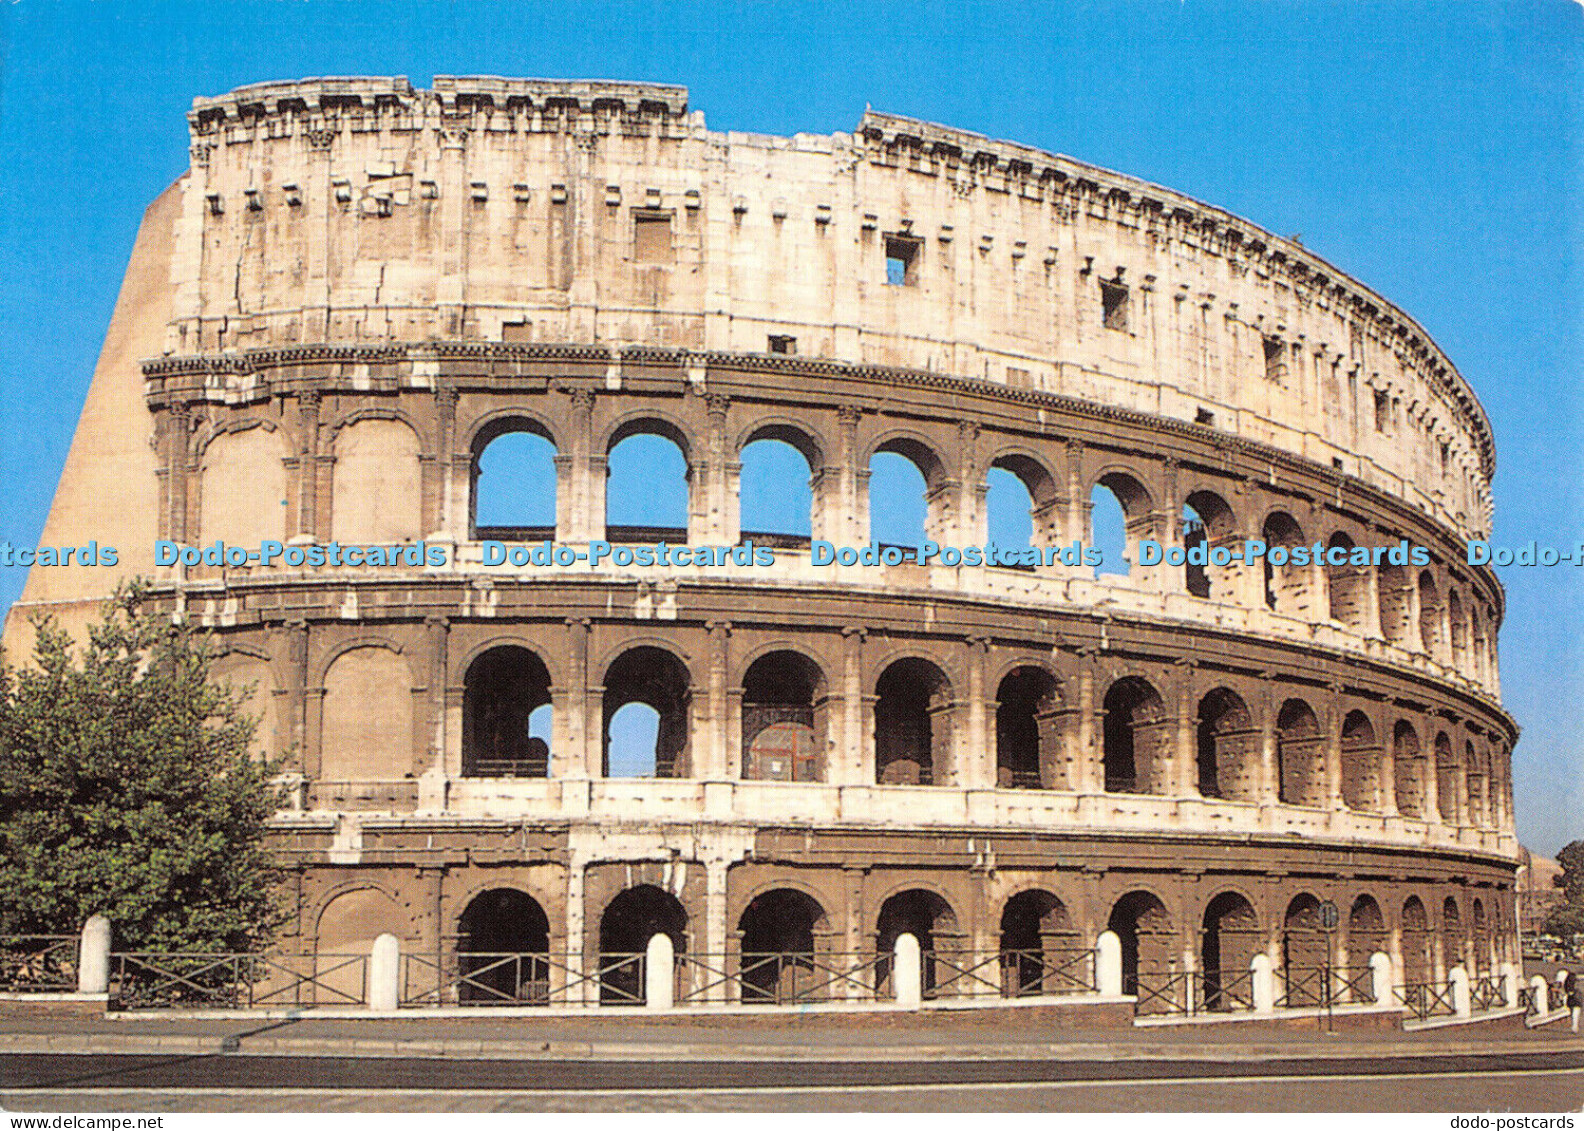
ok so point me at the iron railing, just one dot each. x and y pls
(528, 978)
(38, 963)
(1426, 999)
(1306, 988)
(1487, 992)
(154, 980)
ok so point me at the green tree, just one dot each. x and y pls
(1572, 860)
(1563, 921)
(127, 788)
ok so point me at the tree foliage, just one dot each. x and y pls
(1572, 860)
(127, 788)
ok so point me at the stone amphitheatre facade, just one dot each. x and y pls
(358, 287)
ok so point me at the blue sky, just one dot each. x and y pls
(1432, 150)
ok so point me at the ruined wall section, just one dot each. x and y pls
(364, 210)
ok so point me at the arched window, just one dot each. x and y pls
(1447, 774)
(1120, 516)
(1429, 614)
(1366, 936)
(1286, 585)
(503, 949)
(506, 715)
(913, 724)
(1143, 926)
(929, 919)
(646, 494)
(1038, 942)
(1009, 510)
(1025, 727)
(514, 482)
(777, 502)
(1347, 586)
(903, 510)
(628, 923)
(1137, 755)
(1361, 757)
(377, 496)
(1408, 769)
(778, 932)
(1396, 604)
(1228, 748)
(1228, 944)
(1208, 521)
(784, 719)
(1305, 958)
(651, 740)
(1300, 762)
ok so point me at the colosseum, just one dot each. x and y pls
(1220, 770)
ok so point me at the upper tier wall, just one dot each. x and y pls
(364, 210)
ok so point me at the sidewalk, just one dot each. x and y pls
(783, 1037)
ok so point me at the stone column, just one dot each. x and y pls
(707, 503)
(976, 765)
(573, 754)
(1331, 719)
(309, 519)
(1184, 778)
(1078, 505)
(717, 761)
(1091, 776)
(857, 746)
(852, 519)
(448, 479)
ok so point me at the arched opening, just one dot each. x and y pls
(1121, 515)
(1228, 944)
(366, 725)
(1396, 604)
(376, 495)
(506, 715)
(628, 923)
(1452, 940)
(1228, 748)
(1408, 769)
(1415, 943)
(904, 507)
(1361, 756)
(1429, 615)
(1026, 722)
(1038, 946)
(928, 918)
(652, 678)
(503, 950)
(1457, 627)
(1208, 521)
(913, 724)
(1475, 777)
(1020, 503)
(778, 930)
(1136, 752)
(646, 492)
(1300, 762)
(1287, 586)
(1447, 774)
(1366, 935)
(1347, 586)
(1144, 927)
(1481, 957)
(784, 719)
(513, 482)
(776, 497)
(1305, 954)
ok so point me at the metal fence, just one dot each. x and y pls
(1426, 999)
(38, 963)
(499, 979)
(152, 980)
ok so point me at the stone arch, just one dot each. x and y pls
(1447, 773)
(1347, 586)
(1228, 942)
(1228, 747)
(781, 930)
(1416, 950)
(1043, 508)
(1475, 778)
(377, 489)
(1480, 937)
(785, 717)
(654, 501)
(251, 678)
(797, 434)
(932, 470)
(1300, 760)
(503, 949)
(1144, 927)
(1305, 953)
(366, 730)
(242, 486)
(914, 723)
(657, 679)
(632, 917)
(1361, 763)
(1457, 631)
(1429, 614)
(1453, 941)
(1136, 742)
(928, 916)
(1287, 585)
(1408, 769)
(1396, 604)
(525, 467)
(1038, 941)
(778, 501)
(1138, 518)
(505, 688)
(1027, 720)
(1209, 520)
(1366, 935)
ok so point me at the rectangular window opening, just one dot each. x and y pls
(902, 260)
(1114, 305)
(1204, 416)
(1275, 360)
(652, 237)
(783, 343)
(1382, 410)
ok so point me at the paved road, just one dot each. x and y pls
(1511, 1082)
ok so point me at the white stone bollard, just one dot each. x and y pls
(907, 972)
(1509, 978)
(1540, 991)
(1462, 1004)
(93, 957)
(1381, 979)
(384, 974)
(1264, 979)
(659, 972)
(1108, 964)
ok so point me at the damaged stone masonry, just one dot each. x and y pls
(358, 287)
